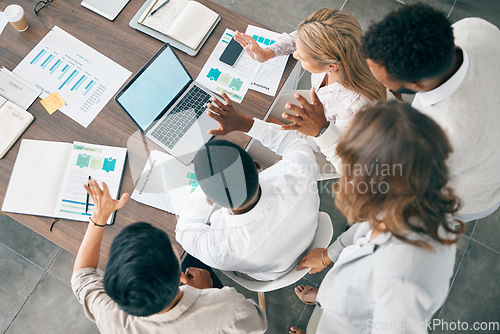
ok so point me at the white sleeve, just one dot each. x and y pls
(284, 143)
(344, 240)
(197, 238)
(327, 143)
(285, 45)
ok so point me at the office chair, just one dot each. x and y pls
(322, 238)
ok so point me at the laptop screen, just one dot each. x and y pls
(154, 88)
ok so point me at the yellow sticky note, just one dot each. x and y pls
(52, 102)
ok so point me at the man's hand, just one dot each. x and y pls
(313, 260)
(308, 119)
(252, 48)
(229, 118)
(104, 204)
(197, 278)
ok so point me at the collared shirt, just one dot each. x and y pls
(198, 311)
(268, 241)
(448, 88)
(384, 285)
(466, 107)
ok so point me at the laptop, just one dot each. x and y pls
(169, 106)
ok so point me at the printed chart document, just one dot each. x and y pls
(268, 78)
(219, 77)
(84, 78)
(165, 183)
(48, 178)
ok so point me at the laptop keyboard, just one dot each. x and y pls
(179, 120)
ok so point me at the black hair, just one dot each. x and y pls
(142, 275)
(226, 173)
(413, 43)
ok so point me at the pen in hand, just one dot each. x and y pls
(87, 200)
(163, 4)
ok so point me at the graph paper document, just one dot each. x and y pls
(84, 78)
(220, 77)
(48, 178)
(165, 183)
(269, 75)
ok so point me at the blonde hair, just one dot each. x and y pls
(335, 37)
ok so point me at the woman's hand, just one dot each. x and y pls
(253, 49)
(309, 118)
(317, 259)
(104, 204)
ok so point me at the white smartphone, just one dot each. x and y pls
(107, 8)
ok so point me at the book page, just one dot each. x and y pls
(164, 17)
(165, 183)
(192, 24)
(101, 163)
(36, 179)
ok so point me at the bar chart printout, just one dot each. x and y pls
(219, 77)
(100, 163)
(83, 77)
(269, 75)
(165, 183)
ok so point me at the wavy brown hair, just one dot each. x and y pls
(331, 36)
(395, 173)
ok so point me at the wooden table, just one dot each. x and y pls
(131, 49)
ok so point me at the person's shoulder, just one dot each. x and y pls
(84, 276)
(226, 298)
(475, 29)
(400, 258)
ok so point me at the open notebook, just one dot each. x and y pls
(48, 178)
(186, 21)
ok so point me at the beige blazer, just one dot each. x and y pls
(383, 286)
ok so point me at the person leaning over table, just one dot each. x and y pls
(140, 290)
(453, 72)
(262, 223)
(327, 43)
(392, 272)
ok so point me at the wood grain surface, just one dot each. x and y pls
(131, 49)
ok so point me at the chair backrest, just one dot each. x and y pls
(322, 238)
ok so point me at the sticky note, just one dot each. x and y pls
(52, 102)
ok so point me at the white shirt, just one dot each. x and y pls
(466, 107)
(268, 241)
(383, 285)
(198, 311)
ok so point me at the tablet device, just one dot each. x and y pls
(107, 8)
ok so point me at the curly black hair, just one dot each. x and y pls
(413, 43)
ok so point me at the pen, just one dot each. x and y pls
(163, 4)
(87, 200)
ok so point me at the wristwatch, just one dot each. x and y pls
(323, 129)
